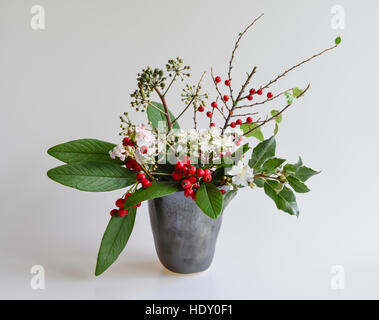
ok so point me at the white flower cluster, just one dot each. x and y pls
(241, 174)
(121, 152)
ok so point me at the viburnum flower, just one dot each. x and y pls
(143, 135)
(118, 152)
(242, 174)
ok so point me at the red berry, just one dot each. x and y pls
(186, 184)
(212, 124)
(214, 104)
(136, 167)
(176, 176)
(127, 195)
(113, 212)
(129, 163)
(207, 172)
(223, 191)
(200, 109)
(146, 183)
(194, 196)
(260, 91)
(122, 212)
(120, 203)
(227, 83)
(252, 91)
(192, 179)
(226, 98)
(196, 186)
(141, 177)
(249, 120)
(127, 142)
(143, 149)
(186, 160)
(191, 170)
(239, 122)
(209, 114)
(179, 165)
(199, 172)
(137, 205)
(250, 97)
(183, 171)
(233, 124)
(208, 178)
(218, 79)
(188, 193)
(270, 95)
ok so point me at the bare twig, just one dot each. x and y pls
(276, 115)
(218, 90)
(249, 76)
(245, 114)
(297, 65)
(167, 114)
(264, 101)
(234, 51)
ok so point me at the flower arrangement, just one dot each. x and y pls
(208, 165)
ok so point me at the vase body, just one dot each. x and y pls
(184, 237)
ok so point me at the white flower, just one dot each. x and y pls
(143, 135)
(242, 174)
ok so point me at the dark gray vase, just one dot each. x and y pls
(185, 238)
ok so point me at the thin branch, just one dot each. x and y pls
(169, 86)
(167, 114)
(151, 105)
(193, 98)
(249, 76)
(264, 101)
(234, 50)
(218, 90)
(245, 114)
(297, 65)
(276, 115)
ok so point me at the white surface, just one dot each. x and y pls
(73, 80)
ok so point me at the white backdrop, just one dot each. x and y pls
(73, 80)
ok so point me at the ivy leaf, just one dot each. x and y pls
(115, 239)
(257, 133)
(83, 150)
(285, 200)
(271, 164)
(337, 40)
(156, 190)
(279, 118)
(261, 153)
(297, 185)
(93, 176)
(291, 95)
(156, 116)
(210, 200)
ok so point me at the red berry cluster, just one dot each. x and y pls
(141, 178)
(190, 176)
(226, 98)
(121, 212)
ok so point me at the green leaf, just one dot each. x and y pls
(94, 176)
(257, 133)
(210, 200)
(276, 129)
(271, 164)
(155, 116)
(115, 239)
(292, 168)
(228, 197)
(83, 150)
(262, 152)
(291, 95)
(337, 40)
(156, 190)
(297, 185)
(259, 182)
(279, 118)
(304, 173)
(285, 200)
